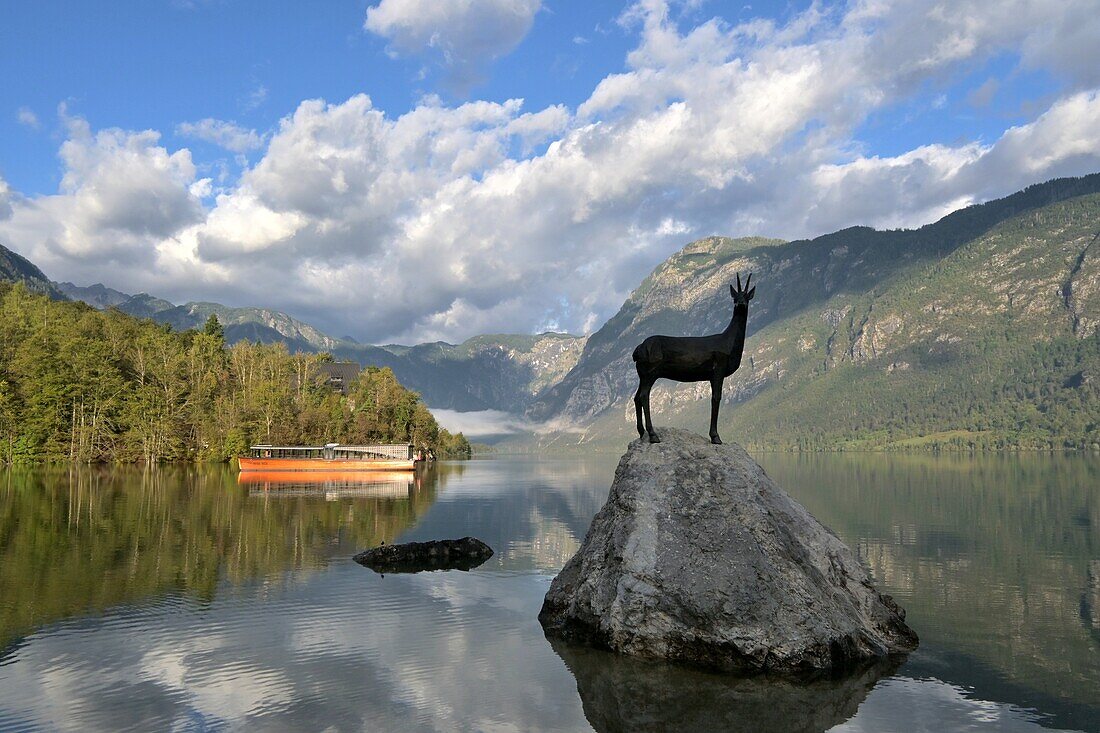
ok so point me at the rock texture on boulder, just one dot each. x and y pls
(415, 557)
(699, 557)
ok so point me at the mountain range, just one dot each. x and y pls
(494, 372)
(980, 329)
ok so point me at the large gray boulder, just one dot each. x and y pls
(698, 557)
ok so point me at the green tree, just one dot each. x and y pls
(213, 327)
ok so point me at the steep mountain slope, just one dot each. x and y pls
(984, 322)
(15, 268)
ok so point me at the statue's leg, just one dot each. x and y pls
(715, 403)
(645, 389)
(638, 407)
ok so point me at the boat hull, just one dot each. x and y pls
(320, 464)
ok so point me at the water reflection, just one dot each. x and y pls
(81, 541)
(620, 694)
(1090, 602)
(180, 599)
(341, 650)
(532, 512)
(991, 556)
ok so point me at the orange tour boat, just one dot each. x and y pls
(332, 457)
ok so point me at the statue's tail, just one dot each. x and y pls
(649, 351)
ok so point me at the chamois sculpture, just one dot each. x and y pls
(693, 359)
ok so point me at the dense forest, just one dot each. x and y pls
(93, 386)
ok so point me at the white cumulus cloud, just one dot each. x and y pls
(122, 196)
(934, 180)
(466, 35)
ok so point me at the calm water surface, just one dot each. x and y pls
(180, 600)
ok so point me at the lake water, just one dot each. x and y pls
(177, 599)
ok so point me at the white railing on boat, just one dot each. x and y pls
(335, 451)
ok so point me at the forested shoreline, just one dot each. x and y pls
(84, 385)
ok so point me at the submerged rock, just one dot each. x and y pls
(699, 557)
(414, 557)
(626, 695)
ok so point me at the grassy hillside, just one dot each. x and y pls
(978, 330)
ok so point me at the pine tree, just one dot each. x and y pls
(213, 327)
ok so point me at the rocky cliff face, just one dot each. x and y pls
(698, 557)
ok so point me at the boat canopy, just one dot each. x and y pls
(335, 451)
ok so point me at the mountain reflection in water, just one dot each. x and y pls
(180, 599)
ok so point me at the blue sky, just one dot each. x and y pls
(152, 64)
(173, 146)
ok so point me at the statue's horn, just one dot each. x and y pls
(748, 280)
(739, 281)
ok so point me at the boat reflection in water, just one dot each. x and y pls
(333, 485)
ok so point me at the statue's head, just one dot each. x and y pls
(742, 295)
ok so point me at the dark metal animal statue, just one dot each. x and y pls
(693, 359)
